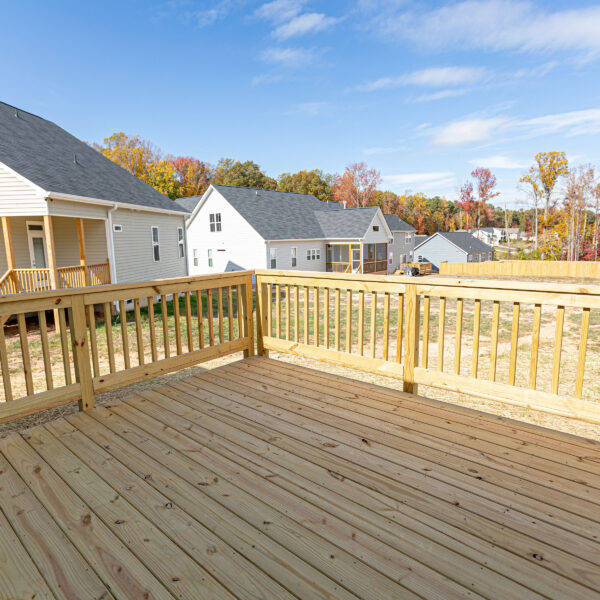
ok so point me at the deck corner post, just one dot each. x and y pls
(248, 306)
(411, 349)
(261, 316)
(81, 351)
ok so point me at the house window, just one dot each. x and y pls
(391, 257)
(180, 242)
(408, 238)
(273, 257)
(215, 222)
(117, 228)
(210, 258)
(155, 244)
(375, 227)
(293, 257)
(195, 257)
(420, 258)
(314, 254)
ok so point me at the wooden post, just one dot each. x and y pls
(49, 235)
(82, 259)
(9, 249)
(411, 348)
(81, 352)
(261, 316)
(248, 316)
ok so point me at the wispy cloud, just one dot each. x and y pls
(498, 161)
(288, 57)
(302, 24)
(433, 77)
(311, 109)
(426, 180)
(495, 25)
(187, 12)
(467, 131)
(441, 95)
(279, 10)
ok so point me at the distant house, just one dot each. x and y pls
(232, 228)
(496, 235)
(71, 217)
(456, 246)
(403, 245)
(419, 239)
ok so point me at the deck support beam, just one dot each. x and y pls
(82, 257)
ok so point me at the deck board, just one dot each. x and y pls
(262, 479)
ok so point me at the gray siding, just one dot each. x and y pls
(438, 249)
(402, 247)
(77, 209)
(284, 255)
(133, 246)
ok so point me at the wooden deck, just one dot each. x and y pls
(265, 480)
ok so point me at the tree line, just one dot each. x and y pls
(563, 224)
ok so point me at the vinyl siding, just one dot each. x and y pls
(401, 247)
(20, 246)
(77, 209)
(17, 197)
(237, 246)
(284, 255)
(133, 246)
(438, 249)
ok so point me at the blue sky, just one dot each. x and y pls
(424, 92)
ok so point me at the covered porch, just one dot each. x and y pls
(49, 252)
(357, 258)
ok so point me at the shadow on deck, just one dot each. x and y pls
(261, 479)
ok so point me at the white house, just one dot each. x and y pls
(496, 235)
(71, 217)
(233, 228)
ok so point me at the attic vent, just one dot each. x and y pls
(117, 228)
(375, 227)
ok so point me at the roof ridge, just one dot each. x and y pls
(27, 112)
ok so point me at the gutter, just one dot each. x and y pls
(113, 266)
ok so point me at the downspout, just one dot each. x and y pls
(111, 249)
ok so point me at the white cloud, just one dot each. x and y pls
(496, 25)
(572, 123)
(311, 109)
(427, 180)
(441, 95)
(467, 131)
(279, 10)
(302, 24)
(498, 161)
(433, 77)
(288, 57)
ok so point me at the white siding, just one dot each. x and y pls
(20, 246)
(133, 246)
(377, 237)
(237, 246)
(18, 197)
(284, 255)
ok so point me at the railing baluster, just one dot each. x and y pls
(288, 324)
(64, 345)
(458, 340)
(476, 335)
(535, 344)
(269, 308)
(45, 349)
(138, 331)
(278, 310)
(25, 353)
(336, 318)
(348, 321)
(93, 339)
(425, 348)
(296, 313)
(316, 317)
(72, 336)
(248, 309)
(373, 338)
(152, 328)
(164, 314)
(211, 318)
(361, 322)
(220, 314)
(239, 305)
(386, 325)
(441, 333)
(560, 320)
(200, 315)
(399, 328)
(326, 301)
(177, 319)
(229, 314)
(514, 343)
(585, 325)
(494, 342)
(306, 313)
(124, 334)
(188, 319)
(6, 383)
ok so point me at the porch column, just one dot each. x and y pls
(49, 235)
(9, 250)
(82, 259)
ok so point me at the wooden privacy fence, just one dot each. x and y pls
(158, 327)
(524, 268)
(506, 341)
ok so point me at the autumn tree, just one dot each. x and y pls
(313, 182)
(142, 159)
(467, 203)
(485, 182)
(193, 175)
(534, 191)
(242, 174)
(356, 187)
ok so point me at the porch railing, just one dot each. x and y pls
(159, 326)
(507, 341)
(16, 281)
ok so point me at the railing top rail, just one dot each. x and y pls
(503, 284)
(51, 296)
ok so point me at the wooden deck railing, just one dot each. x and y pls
(504, 341)
(159, 326)
(25, 281)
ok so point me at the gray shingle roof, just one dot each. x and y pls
(58, 162)
(465, 241)
(291, 216)
(395, 223)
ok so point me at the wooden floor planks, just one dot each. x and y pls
(262, 479)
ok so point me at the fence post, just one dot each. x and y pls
(248, 302)
(411, 347)
(81, 351)
(261, 316)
